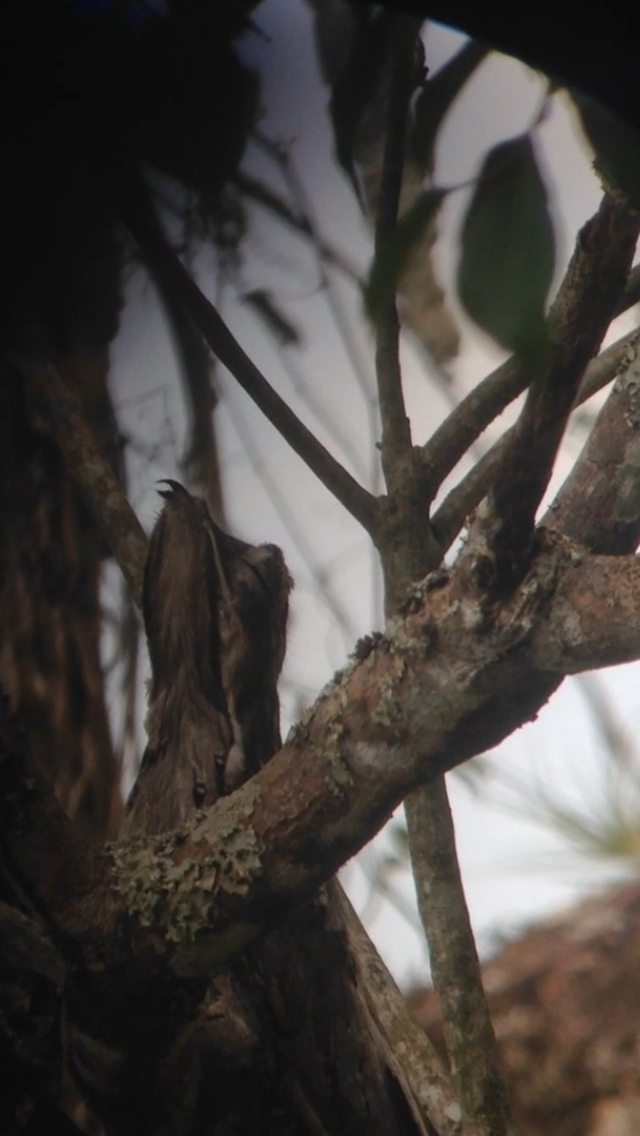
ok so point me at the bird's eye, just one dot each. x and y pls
(199, 793)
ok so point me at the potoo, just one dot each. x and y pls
(215, 613)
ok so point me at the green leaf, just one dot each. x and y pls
(392, 256)
(617, 147)
(508, 249)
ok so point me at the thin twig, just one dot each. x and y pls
(299, 222)
(448, 520)
(321, 412)
(281, 154)
(358, 501)
(581, 314)
(451, 441)
(396, 450)
(196, 366)
(455, 969)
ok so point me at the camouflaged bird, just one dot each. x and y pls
(215, 613)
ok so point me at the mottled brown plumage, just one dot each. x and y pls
(252, 622)
(285, 1042)
(215, 612)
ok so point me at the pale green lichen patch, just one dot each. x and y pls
(298, 735)
(404, 641)
(179, 894)
(328, 749)
(389, 710)
(339, 777)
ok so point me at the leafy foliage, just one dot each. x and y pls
(508, 248)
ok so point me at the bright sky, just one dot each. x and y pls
(514, 871)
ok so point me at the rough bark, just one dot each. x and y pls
(50, 612)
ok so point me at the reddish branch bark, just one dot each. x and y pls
(448, 681)
(564, 999)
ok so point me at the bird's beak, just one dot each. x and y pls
(176, 489)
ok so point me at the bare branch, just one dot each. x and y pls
(300, 223)
(459, 503)
(451, 441)
(396, 429)
(196, 371)
(581, 315)
(166, 264)
(455, 968)
(435, 869)
(460, 429)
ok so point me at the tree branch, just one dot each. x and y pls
(167, 266)
(442, 686)
(260, 193)
(582, 313)
(396, 429)
(410, 1050)
(599, 503)
(449, 681)
(426, 809)
(451, 441)
(450, 517)
(455, 968)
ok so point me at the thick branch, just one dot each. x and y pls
(396, 428)
(443, 686)
(410, 1050)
